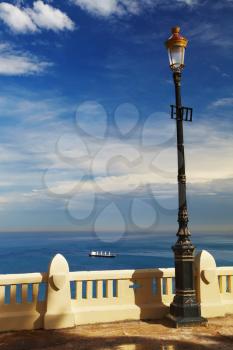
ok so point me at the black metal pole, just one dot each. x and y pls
(184, 309)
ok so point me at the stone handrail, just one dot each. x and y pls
(61, 298)
(23, 278)
(122, 274)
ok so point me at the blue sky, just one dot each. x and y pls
(85, 136)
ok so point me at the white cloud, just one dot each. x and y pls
(100, 7)
(115, 175)
(107, 8)
(15, 62)
(48, 17)
(32, 148)
(17, 19)
(213, 34)
(223, 102)
(28, 149)
(189, 2)
(40, 16)
(8, 154)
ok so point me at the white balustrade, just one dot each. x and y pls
(73, 298)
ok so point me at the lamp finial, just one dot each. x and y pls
(175, 30)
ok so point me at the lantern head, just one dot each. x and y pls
(176, 46)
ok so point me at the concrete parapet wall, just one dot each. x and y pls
(60, 299)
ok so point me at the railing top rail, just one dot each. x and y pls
(25, 278)
(121, 274)
(225, 271)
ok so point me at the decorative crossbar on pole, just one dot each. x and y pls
(185, 113)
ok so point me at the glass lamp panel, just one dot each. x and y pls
(183, 54)
(176, 56)
(169, 56)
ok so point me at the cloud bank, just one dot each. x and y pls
(106, 8)
(17, 62)
(29, 20)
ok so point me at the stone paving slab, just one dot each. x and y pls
(134, 335)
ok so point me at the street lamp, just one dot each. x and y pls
(184, 309)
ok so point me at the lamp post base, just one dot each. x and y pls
(185, 311)
(179, 322)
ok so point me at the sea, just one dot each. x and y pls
(32, 252)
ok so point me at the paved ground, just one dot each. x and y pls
(126, 336)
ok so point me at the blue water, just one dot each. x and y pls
(32, 252)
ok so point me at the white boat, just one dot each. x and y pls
(101, 254)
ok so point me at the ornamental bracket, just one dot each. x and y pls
(184, 113)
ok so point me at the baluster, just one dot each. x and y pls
(78, 295)
(99, 290)
(125, 293)
(231, 284)
(35, 291)
(224, 284)
(89, 290)
(169, 286)
(220, 283)
(24, 293)
(109, 289)
(123, 285)
(13, 294)
(2, 295)
(159, 285)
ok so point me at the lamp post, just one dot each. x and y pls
(184, 309)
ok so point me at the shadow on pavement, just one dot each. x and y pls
(69, 340)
